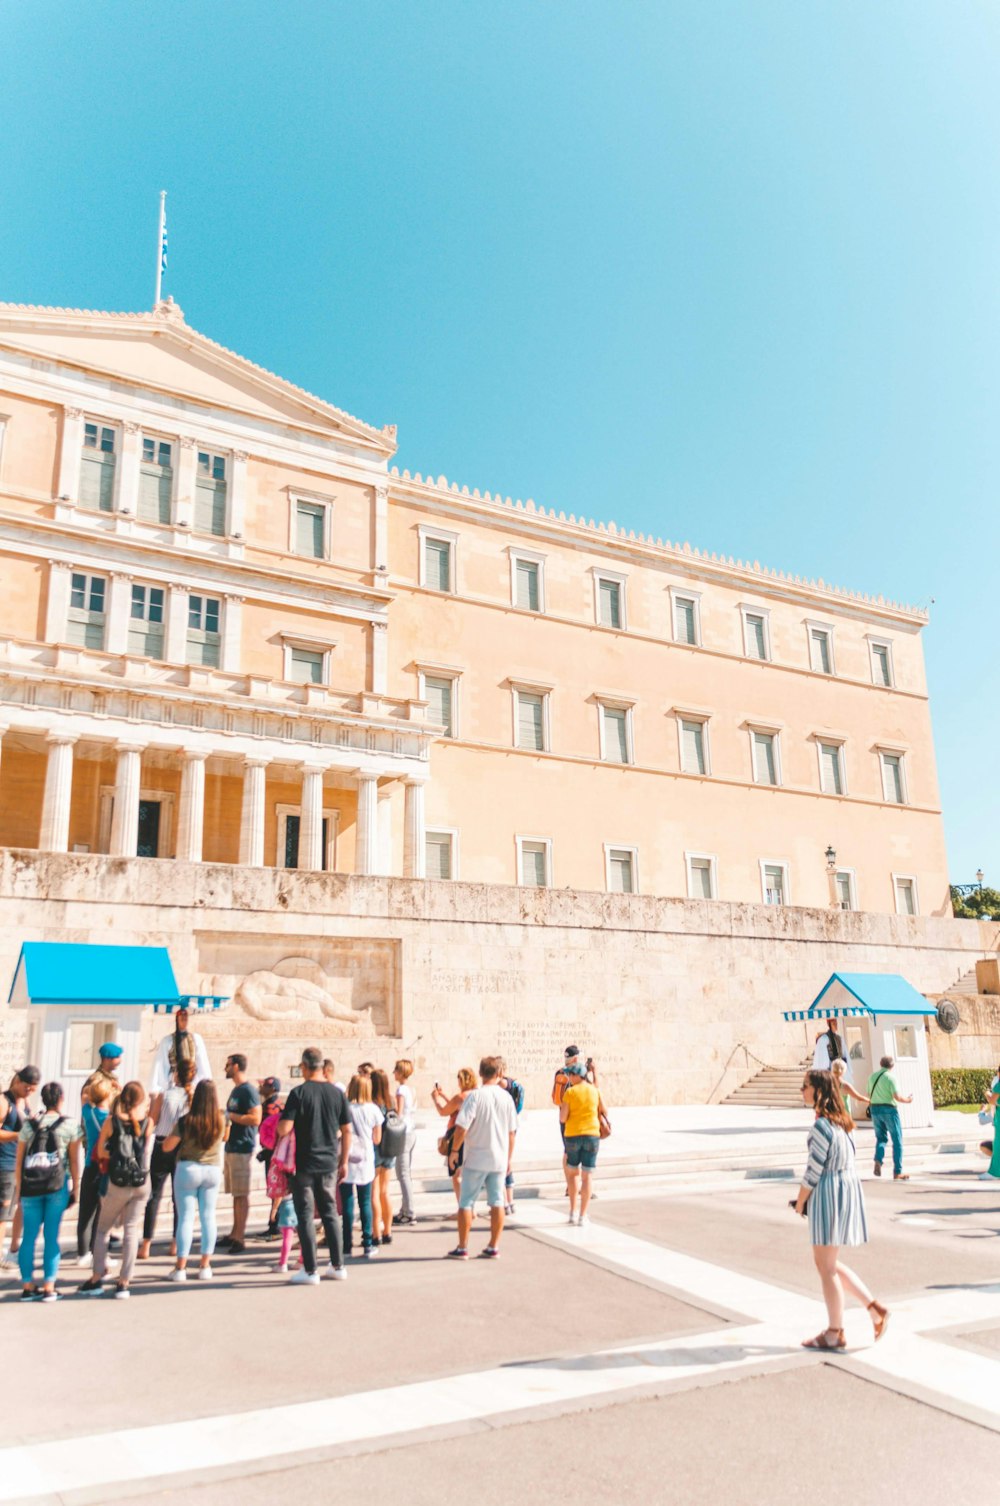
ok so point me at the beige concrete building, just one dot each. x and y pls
(230, 632)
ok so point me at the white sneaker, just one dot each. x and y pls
(584, 1220)
(177, 1275)
(282, 1266)
(338, 1272)
(303, 1278)
(86, 1261)
(987, 1176)
(205, 1273)
(574, 1219)
(121, 1293)
(369, 1254)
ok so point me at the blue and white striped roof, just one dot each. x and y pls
(844, 995)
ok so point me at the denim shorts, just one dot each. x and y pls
(383, 1163)
(474, 1181)
(6, 1192)
(581, 1150)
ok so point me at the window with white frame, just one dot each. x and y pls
(439, 691)
(831, 768)
(306, 666)
(764, 754)
(880, 650)
(534, 862)
(531, 720)
(437, 561)
(311, 529)
(616, 733)
(439, 851)
(906, 894)
(756, 634)
(844, 887)
(700, 875)
(774, 883)
(687, 618)
(204, 639)
(156, 480)
(527, 581)
(693, 734)
(210, 493)
(609, 599)
(820, 650)
(145, 623)
(893, 781)
(86, 617)
(904, 1041)
(97, 467)
(621, 870)
(290, 835)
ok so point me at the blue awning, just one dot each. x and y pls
(844, 995)
(65, 972)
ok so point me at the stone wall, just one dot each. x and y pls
(668, 995)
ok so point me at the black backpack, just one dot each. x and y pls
(126, 1154)
(43, 1170)
(393, 1135)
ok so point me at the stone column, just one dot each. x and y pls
(187, 469)
(366, 841)
(381, 530)
(232, 633)
(127, 471)
(414, 851)
(57, 605)
(237, 495)
(54, 835)
(380, 658)
(175, 637)
(252, 814)
(119, 613)
(125, 817)
(191, 811)
(311, 821)
(70, 451)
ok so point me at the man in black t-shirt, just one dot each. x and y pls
(318, 1113)
(243, 1113)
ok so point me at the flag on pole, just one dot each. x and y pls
(161, 259)
(163, 242)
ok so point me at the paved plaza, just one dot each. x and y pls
(661, 1343)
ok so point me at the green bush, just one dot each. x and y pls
(960, 1084)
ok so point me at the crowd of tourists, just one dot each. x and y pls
(329, 1151)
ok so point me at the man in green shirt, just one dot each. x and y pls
(885, 1117)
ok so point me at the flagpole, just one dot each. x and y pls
(159, 245)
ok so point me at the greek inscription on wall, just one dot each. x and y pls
(444, 981)
(12, 1049)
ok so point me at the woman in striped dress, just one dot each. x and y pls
(832, 1193)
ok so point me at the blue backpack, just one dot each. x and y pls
(516, 1091)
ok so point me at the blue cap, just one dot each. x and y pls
(110, 1048)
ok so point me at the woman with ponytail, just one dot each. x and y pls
(165, 1111)
(123, 1154)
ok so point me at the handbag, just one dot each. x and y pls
(604, 1124)
(985, 1115)
(868, 1107)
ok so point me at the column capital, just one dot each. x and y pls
(121, 575)
(240, 455)
(131, 428)
(59, 565)
(73, 412)
(128, 747)
(61, 739)
(365, 776)
(195, 755)
(186, 442)
(253, 761)
(410, 780)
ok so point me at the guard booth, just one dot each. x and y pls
(79, 996)
(878, 1014)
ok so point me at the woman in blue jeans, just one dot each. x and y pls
(198, 1138)
(48, 1176)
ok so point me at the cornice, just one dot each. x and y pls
(447, 496)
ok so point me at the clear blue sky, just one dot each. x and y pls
(726, 271)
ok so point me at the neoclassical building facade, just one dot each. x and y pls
(231, 632)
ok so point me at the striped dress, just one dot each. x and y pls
(837, 1204)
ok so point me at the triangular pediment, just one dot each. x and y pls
(160, 352)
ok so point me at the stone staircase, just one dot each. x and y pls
(771, 1088)
(966, 984)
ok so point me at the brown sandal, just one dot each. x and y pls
(821, 1341)
(880, 1319)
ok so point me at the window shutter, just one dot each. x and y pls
(820, 644)
(831, 780)
(533, 874)
(892, 778)
(610, 602)
(701, 878)
(620, 872)
(306, 667)
(880, 662)
(437, 693)
(684, 626)
(615, 734)
(526, 578)
(210, 507)
(765, 770)
(530, 722)
(309, 522)
(756, 643)
(438, 855)
(692, 747)
(844, 890)
(437, 564)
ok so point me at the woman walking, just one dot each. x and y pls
(993, 1102)
(198, 1139)
(123, 1155)
(831, 1191)
(406, 1104)
(165, 1110)
(47, 1173)
(838, 1071)
(581, 1113)
(381, 1199)
(92, 1116)
(366, 1121)
(448, 1108)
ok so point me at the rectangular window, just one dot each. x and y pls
(204, 640)
(310, 530)
(156, 481)
(701, 877)
(621, 870)
(145, 624)
(305, 666)
(686, 620)
(530, 720)
(615, 735)
(693, 750)
(609, 602)
(439, 695)
(765, 757)
(438, 572)
(85, 623)
(845, 889)
(904, 1039)
(527, 585)
(820, 651)
(210, 494)
(881, 654)
(906, 896)
(893, 788)
(534, 863)
(775, 884)
(831, 768)
(97, 468)
(755, 635)
(439, 850)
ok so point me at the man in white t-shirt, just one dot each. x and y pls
(486, 1126)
